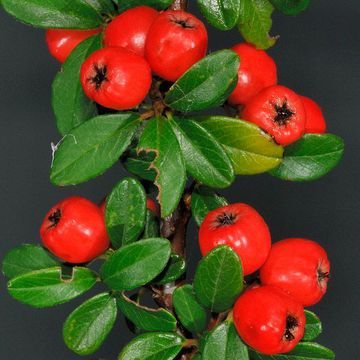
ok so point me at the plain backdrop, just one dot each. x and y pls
(318, 54)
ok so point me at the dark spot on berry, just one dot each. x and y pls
(54, 218)
(100, 76)
(185, 23)
(225, 219)
(291, 326)
(283, 114)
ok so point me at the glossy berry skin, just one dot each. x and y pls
(243, 229)
(129, 30)
(300, 267)
(279, 111)
(116, 78)
(74, 230)
(268, 320)
(257, 71)
(176, 41)
(315, 121)
(61, 42)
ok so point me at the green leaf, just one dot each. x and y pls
(310, 158)
(125, 212)
(91, 148)
(139, 165)
(191, 314)
(223, 343)
(26, 258)
(45, 288)
(203, 200)
(303, 351)
(156, 4)
(88, 326)
(291, 7)
(175, 268)
(222, 14)
(205, 160)
(250, 149)
(135, 265)
(102, 6)
(219, 279)
(206, 84)
(71, 106)
(153, 346)
(255, 22)
(158, 137)
(313, 327)
(146, 318)
(74, 14)
(152, 226)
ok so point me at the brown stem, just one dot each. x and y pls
(178, 5)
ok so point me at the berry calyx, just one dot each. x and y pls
(315, 121)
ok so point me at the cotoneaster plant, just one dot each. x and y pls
(137, 86)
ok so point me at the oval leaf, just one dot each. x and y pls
(125, 212)
(156, 4)
(152, 226)
(310, 158)
(313, 327)
(88, 326)
(159, 138)
(175, 268)
(71, 106)
(139, 165)
(219, 279)
(135, 265)
(206, 84)
(45, 288)
(291, 7)
(205, 160)
(146, 318)
(102, 6)
(249, 148)
(191, 314)
(91, 148)
(26, 258)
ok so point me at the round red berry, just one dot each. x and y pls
(315, 121)
(300, 267)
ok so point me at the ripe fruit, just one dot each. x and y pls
(116, 78)
(129, 30)
(74, 230)
(279, 111)
(152, 206)
(62, 42)
(268, 320)
(175, 42)
(298, 266)
(257, 71)
(315, 121)
(241, 227)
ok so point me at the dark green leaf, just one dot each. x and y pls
(206, 84)
(223, 343)
(255, 22)
(26, 258)
(139, 165)
(125, 212)
(153, 346)
(158, 137)
(203, 200)
(136, 264)
(205, 160)
(88, 326)
(102, 6)
(71, 106)
(91, 148)
(219, 279)
(45, 288)
(74, 14)
(197, 357)
(310, 158)
(191, 314)
(291, 7)
(303, 351)
(250, 149)
(146, 318)
(313, 327)
(222, 14)
(152, 226)
(175, 268)
(156, 4)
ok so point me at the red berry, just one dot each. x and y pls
(129, 30)
(300, 267)
(116, 78)
(62, 42)
(176, 41)
(151, 205)
(315, 121)
(279, 111)
(242, 228)
(268, 320)
(74, 230)
(257, 71)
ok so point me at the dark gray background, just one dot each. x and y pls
(317, 55)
